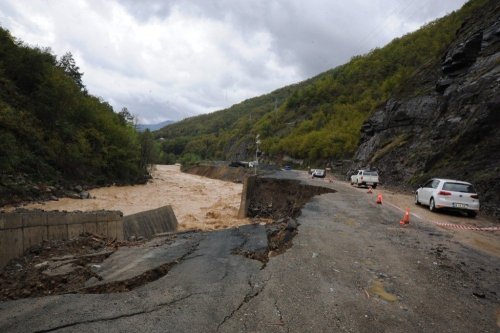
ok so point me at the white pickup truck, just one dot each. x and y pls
(365, 177)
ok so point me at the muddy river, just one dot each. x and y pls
(198, 202)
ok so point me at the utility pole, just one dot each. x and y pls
(257, 143)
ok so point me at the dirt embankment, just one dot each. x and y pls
(225, 173)
(280, 198)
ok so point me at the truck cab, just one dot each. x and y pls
(365, 178)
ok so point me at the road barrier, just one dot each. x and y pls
(465, 226)
(453, 225)
(406, 218)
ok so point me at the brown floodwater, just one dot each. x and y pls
(198, 202)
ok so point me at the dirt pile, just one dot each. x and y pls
(56, 267)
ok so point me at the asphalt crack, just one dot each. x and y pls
(137, 281)
(248, 297)
(156, 308)
(279, 312)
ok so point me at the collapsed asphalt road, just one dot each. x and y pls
(351, 268)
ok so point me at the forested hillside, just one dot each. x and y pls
(317, 120)
(53, 132)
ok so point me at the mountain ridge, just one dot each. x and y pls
(318, 119)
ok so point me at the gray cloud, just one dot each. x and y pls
(172, 59)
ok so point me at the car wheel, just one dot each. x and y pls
(374, 186)
(416, 199)
(471, 213)
(432, 205)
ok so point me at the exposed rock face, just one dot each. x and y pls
(448, 125)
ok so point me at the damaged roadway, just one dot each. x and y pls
(351, 268)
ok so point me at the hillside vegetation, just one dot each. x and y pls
(53, 132)
(317, 120)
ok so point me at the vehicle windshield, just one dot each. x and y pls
(457, 187)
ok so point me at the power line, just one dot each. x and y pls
(379, 28)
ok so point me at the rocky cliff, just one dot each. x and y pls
(445, 121)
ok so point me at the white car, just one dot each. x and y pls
(319, 173)
(450, 194)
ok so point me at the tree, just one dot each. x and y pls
(127, 118)
(68, 64)
(147, 151)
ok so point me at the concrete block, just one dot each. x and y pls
(151, 222)
(115, 215)
(112, 229)
(119, 230)
(101, 216)
(57, 218)
(74, 230)
(90, 227)
(10, 220)
(34, 219)
(102, 228)
(246, 193)
(33, 236)
(81, 217)
(11, 245)
(59, 232)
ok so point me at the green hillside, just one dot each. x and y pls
(52, 131)
(318, 119)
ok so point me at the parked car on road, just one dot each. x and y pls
(237, 164)
(448, 194)
(320, 173)
(366, 178)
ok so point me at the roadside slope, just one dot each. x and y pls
(445, 121)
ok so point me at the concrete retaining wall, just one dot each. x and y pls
(246, 194)
(149, 223)
(22, 230)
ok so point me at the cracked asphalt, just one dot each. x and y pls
(351, 268)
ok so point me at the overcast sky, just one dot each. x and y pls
(172, 59)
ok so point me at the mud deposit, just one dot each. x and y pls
(55, 267)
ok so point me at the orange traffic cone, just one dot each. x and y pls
(379, 199)
(369, 190)
(406, 218)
